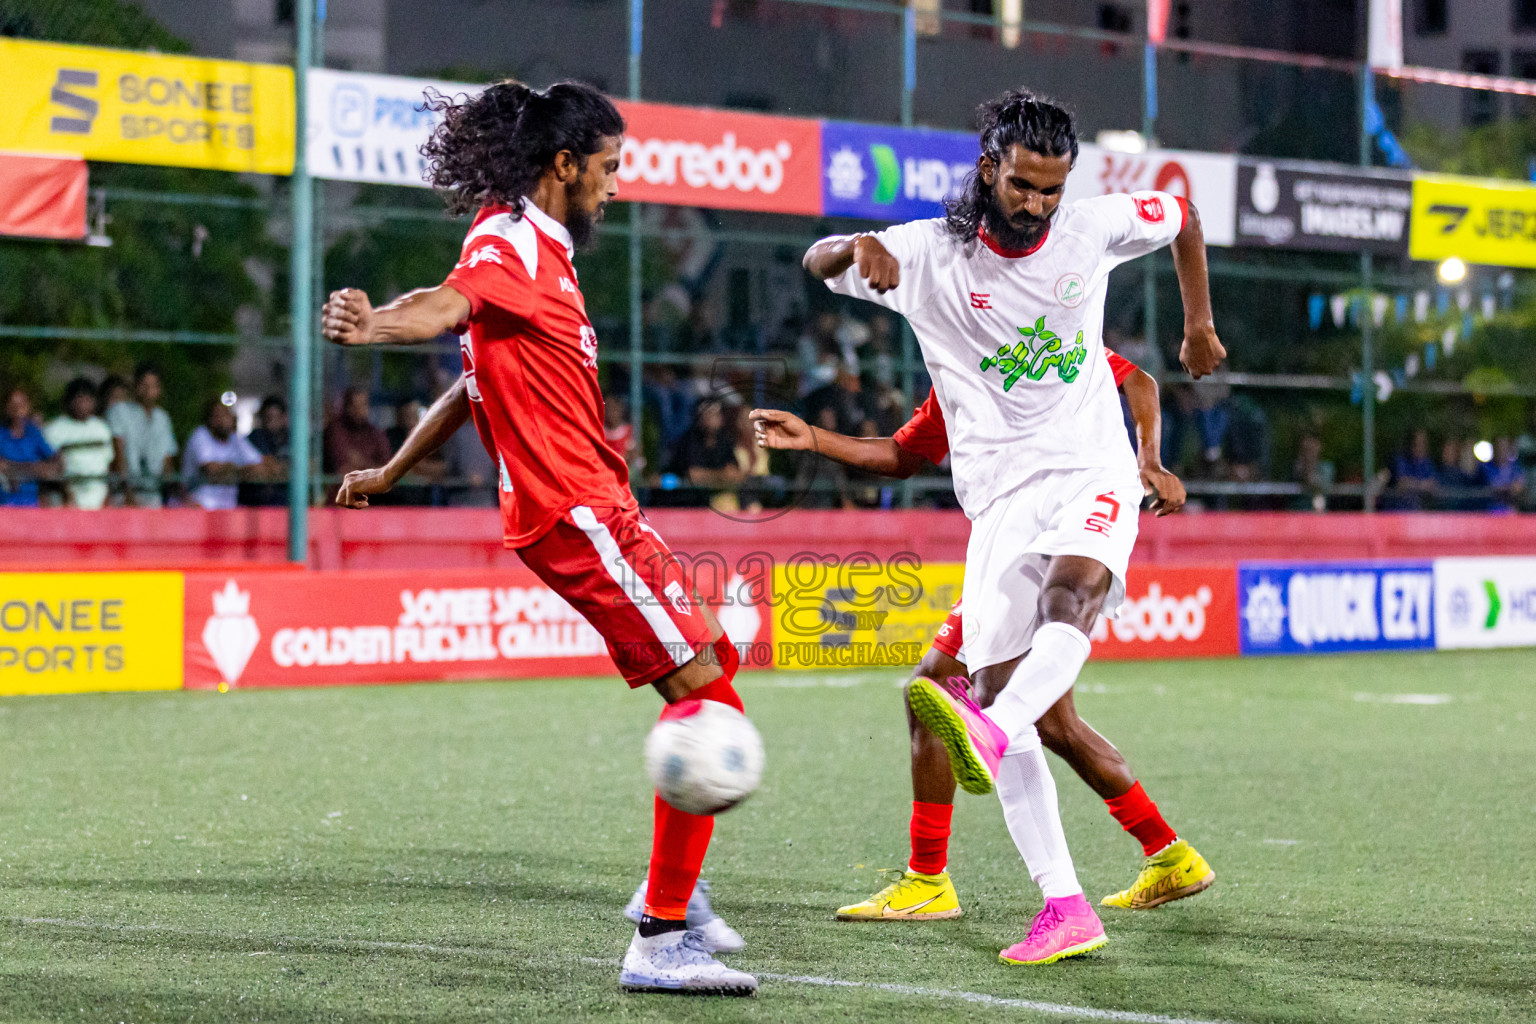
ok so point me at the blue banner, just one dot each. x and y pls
(1325, 607)
(881, 172)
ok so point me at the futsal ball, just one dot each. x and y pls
(704, 758)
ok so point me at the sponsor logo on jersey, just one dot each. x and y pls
(1149, 208)
(567, 285)
(588, 347)
(1048, 352)
(674, 592)
(981, 300)
(1070, 289)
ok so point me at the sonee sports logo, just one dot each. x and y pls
(1099, 520)
(981, 300)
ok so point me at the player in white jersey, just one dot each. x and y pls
(1006, 297)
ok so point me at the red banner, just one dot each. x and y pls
(688, 156)
(1185, 611)
(42, 196)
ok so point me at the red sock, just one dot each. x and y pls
(1138, 815)
(728, 656)
(681, 839)
(930, 837)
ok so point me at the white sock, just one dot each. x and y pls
(1047, 671)
(1028, 795)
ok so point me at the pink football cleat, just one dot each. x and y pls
(976, 746)
(1066, 927)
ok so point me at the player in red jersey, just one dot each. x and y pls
(1173, 869)
(537, 169)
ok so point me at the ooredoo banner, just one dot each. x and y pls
(1182, 611)
(723, 159)
(322, 628)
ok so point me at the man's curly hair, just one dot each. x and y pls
(492, 148)
(1017, 117)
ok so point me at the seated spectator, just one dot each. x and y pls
(270, 439)
(423, 484)
(351, 441)
(706, 458)
(1414, 477)
(1458, 477)
(1314, 473)
(217, 459)
(618, 430)
(25, 456)
(84, 442)
(113, 390)
(145, 444)
(753, 463)
(1504, 477)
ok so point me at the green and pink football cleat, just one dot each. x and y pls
(1066, 927)
(976, 746)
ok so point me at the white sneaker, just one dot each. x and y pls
(718, 936)
(679, 962)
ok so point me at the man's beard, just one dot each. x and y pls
(1024, 231)
(582, 224)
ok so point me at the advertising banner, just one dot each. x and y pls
(723, 159)
(861, 612)
(1480, 221)
(366, 127)
(1306, 206)
(1209, 180)
(42, 196)
(1177, 611)
(79, 632)
(1485, 602)
(892, 174)
(1328, 607)
(147, 108)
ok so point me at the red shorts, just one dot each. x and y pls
(617, 572)
(947, 640)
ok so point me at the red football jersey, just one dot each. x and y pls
(924, 434)
(530, 360)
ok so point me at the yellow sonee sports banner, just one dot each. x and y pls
(1479, 220)
(76, 632)
(859, 612)
(147, 108)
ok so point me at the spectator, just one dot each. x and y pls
(270, 439)
(351, 440)
(1457, 476)
(618, 431)
(1504, 477)
(707, 456)
(1314, 473)
(423, 484)
(25, 456)
(217, 458)
(113, 390)
(1414, 477)
(85, 443)
(752, 461)
(144, 442)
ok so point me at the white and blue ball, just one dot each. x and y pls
(705, 758)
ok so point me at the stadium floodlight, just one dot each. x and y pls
(1122, 141)
(1483, 451)
(1452, 270)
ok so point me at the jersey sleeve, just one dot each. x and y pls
(1137, 223)
(924, 434)
(1120, 366)
(490, 273)
(915, 247)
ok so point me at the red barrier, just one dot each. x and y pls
(1180, 611)
(400, 538)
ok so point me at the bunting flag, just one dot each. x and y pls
(1157, 21)
(1340, 305)
(1420, 307)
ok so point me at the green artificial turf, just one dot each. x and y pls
(462, 852)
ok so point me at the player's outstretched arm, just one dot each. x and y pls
(882, 456)
(437, 425)
(1147, 410)
(1202, 351)
(830, 257)
(348, 318)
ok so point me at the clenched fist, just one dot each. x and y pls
(347, 317)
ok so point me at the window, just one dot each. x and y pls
(1522, 64)
(1114, 18)
(1478, 106)
(1430, 17)
(285, 12)
(1525, 15)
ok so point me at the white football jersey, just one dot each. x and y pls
(1014, 340)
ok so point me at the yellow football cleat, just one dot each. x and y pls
(913, 897)
(1170, 874)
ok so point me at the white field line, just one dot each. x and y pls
(344, 945)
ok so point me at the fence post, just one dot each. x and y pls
(1149, 264)
(301, 279)
(1367, 318)
(636, 311)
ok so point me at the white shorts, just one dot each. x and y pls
(1091, 513)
